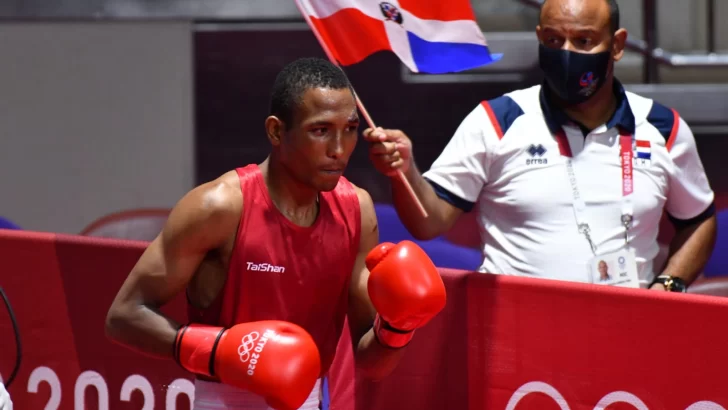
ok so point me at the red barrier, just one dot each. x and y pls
(518, 343)
(583, 345)
(60, 288)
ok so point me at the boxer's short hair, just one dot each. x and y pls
(299, 76)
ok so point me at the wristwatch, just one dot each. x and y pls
(671, 283)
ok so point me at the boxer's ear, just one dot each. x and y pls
(274, 128)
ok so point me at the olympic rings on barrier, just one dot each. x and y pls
(609, 399)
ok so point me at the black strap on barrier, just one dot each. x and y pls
(18, 347)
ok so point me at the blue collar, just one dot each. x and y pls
(556, 118)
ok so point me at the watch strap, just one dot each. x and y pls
(671, 283)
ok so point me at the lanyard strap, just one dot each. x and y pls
(579, 206)
(625, 154)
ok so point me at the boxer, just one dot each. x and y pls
(272, 258)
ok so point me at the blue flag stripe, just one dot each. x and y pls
(440, 58)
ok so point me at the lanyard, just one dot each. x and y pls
(579, 206)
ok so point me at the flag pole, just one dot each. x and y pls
(363, 110)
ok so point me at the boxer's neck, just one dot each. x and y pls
(294, 199)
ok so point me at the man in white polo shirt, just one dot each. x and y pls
(570, 175)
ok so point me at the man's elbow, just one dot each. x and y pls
(441, 217)
(422, 232)
(426, 230)
(115, 322)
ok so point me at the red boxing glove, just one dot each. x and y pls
(406, 290)
(276, 360)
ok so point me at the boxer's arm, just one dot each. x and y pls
(203, 220)
(375, 360)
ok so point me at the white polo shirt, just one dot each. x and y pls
(505, 157)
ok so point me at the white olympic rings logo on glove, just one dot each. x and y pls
(247, 343)
(609, 399)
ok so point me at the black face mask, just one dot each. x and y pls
(574, 77)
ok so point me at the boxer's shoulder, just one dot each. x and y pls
(366, 210)
(210, 208)
(364, 198)
(222, 197)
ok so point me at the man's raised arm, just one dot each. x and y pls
(391, 151)
(453, 183)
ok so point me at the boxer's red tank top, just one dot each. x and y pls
(282, 271)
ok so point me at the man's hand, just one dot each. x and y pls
(659, 287)
(389, 150)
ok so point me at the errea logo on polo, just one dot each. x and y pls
(265, 267)
(536, 151)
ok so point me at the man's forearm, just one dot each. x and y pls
(420, 227)
(142, 329)
(690, 250)
(375, 360)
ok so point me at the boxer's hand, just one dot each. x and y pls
(406, 290)
(5, 402)
(276, 360)
(389, 150)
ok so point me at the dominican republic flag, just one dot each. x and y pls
(644, 150)
(429, 36)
